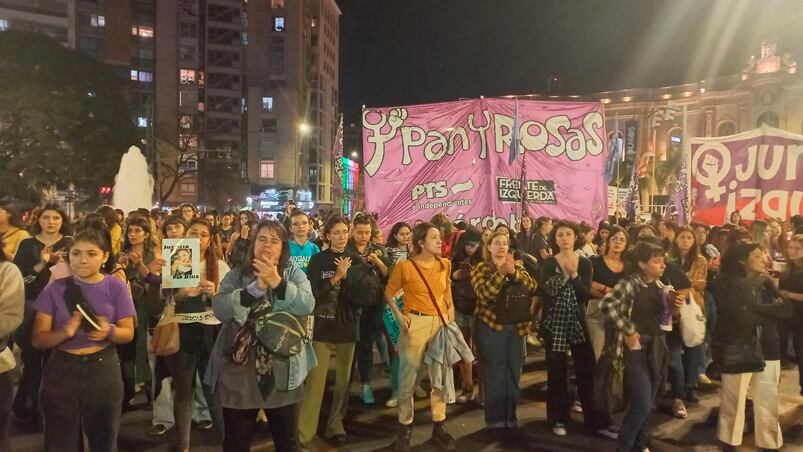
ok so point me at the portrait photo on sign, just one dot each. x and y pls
(182, 263)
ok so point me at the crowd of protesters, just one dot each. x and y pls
(646, 311)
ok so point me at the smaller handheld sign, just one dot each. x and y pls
(182, 267)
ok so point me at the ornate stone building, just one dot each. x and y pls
(650, 122)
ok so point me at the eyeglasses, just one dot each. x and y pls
(618, 239)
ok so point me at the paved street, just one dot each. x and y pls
(373, 428)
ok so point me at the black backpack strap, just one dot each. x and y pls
(73, 295)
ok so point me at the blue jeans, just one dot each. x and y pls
(502, 357)
(641, 390)
(684, 364)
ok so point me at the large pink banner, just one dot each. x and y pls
(454, 157)
(757, 173)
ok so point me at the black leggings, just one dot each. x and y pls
(239, 425)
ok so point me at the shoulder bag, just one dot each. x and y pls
(165, 339)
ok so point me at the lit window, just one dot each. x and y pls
(3, 24)
(142, 121)
(278, 23)
(186, 76)
(97, 21)
(142, 76)
(187, 188)
(267, 103)
(185, 121)
(266, 169)
(142, 31)
(276, 4)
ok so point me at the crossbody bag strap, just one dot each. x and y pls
(429, 290)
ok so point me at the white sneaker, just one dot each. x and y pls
(576, 407)
(611, 432)
(704, 379)
(392, 403)
(559, 429)
(419, 393)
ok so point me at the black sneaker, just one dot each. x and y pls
(402, 443)
(442, 438)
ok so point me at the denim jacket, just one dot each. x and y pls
(298, 300)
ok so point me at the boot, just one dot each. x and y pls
(402, 443)
(441, 437)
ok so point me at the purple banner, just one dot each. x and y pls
(758, 173)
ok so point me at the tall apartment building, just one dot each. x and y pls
(51, 17)
(252, 86)
(119, 32)
(248, 89)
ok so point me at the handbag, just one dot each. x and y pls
(740, 357)
(512, 305)
(609, 382)
(692, 323)
(165, 339)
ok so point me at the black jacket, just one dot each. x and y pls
(742, 307)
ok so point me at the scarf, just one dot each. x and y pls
(246, 339)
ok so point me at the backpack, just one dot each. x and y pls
(363, 285)
(512, 305)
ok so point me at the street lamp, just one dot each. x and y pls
(354, 154)
(303, 130)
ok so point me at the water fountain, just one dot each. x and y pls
(133, 185)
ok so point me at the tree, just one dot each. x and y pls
(63, 117)
(177, 164)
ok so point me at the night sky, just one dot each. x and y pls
(418, 51)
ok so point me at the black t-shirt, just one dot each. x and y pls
(225, 234)
(335, 321)
(647, 310)
(538, 243)
(603, 274)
